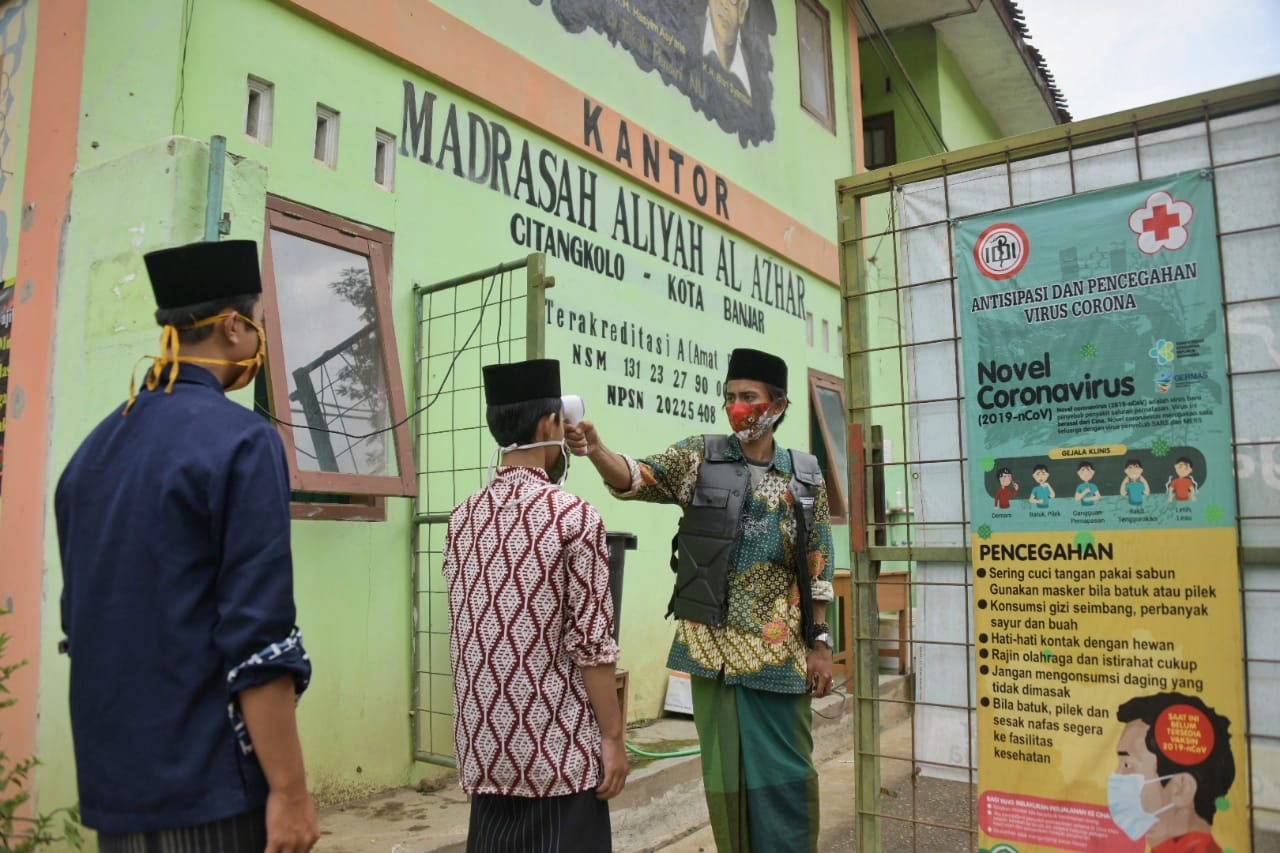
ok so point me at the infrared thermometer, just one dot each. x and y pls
(573, 408)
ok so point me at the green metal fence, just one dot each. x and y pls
(491, 316)
(916, 786)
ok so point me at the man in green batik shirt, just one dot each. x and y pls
(754, 673)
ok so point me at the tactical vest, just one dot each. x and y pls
(704, 542)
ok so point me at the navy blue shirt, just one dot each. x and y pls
(173, 524)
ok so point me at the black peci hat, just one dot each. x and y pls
(759, 366)
(521, 380)
(201, 272)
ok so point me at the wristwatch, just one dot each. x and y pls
(824, 638)
(821, 633)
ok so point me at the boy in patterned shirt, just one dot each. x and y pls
(538, 733)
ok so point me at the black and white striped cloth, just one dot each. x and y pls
(246, 832)
(574, 823)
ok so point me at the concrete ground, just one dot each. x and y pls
(662, 808)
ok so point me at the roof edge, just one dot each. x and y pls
(1015, 23)
(1200, 106)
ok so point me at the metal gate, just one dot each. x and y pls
(916, 787)
(492, 316)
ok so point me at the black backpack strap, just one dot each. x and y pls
(675, 568)
(805, 477)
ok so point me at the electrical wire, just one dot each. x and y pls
(188, 13)
(880, 37)
(439, 390)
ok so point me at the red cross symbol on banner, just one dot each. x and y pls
(1161, 221)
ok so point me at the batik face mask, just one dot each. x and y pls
(169, 357)
(750, 421)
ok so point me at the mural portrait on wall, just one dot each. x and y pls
(718, 53)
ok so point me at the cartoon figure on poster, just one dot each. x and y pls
(1174, 768)
(1087, 492)
(1135, 486)
(1008, 488)
(1182, 486)
(1042, 493)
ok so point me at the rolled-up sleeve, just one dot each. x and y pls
(255, 632)
(667, 477)
(589, 622)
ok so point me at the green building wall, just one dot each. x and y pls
(793, 171)
(947, 96)
(885, 89)
(965, 121)
(943, 91)
(157, 86)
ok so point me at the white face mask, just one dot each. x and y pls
(1124, 798)
(572, 410)
(558, 473)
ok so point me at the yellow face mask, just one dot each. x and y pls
(170, 358)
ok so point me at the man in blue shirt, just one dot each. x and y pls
(1087, 492)
(177, 602)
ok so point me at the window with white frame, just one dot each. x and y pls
(384, 159)
(326, 139)
(259, 101)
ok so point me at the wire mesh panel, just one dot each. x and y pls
(491, 317)
(905, 368)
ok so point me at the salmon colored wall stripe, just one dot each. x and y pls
(855, 92)
(51, 157)
(443, 47)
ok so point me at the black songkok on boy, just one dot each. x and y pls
(519, 381)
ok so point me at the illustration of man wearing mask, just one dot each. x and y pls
(1174, 770)
(538, 733)
(753, 578)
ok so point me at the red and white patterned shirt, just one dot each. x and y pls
(528, 572)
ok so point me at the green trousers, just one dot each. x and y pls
(757, 767)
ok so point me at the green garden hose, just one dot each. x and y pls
(693, 750)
